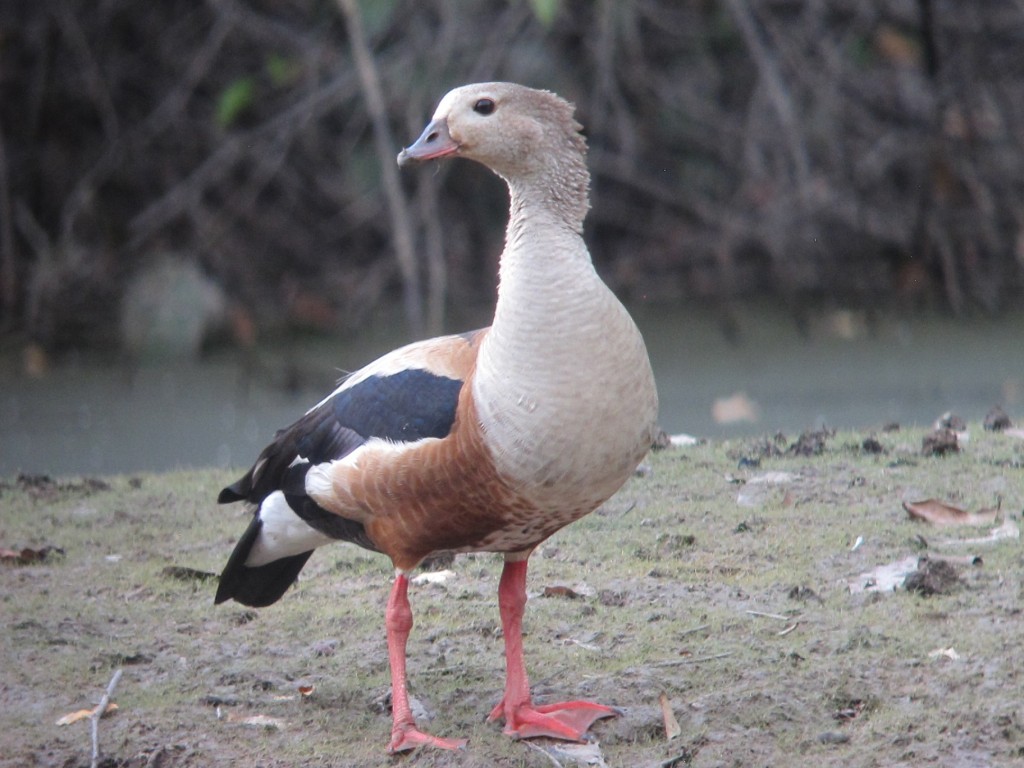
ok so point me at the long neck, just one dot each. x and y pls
(562, 356)
(557, 194)
(545, 275)
(545, 262)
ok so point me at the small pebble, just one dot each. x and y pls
(833, 737)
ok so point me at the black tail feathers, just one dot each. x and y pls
(262, 585)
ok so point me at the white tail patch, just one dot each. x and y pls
(284, 533)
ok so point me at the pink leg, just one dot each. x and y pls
(398, 620)
(568, 720)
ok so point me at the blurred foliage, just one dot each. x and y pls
(545, 11)
(234, 100)
(835, 151)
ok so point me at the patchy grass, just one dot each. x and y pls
(739, 612)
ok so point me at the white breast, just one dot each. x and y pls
(563, 385)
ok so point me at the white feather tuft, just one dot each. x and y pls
(284, 533)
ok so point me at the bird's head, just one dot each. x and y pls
(512, 129)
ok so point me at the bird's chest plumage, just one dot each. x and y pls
(567, 422)
(446, 495)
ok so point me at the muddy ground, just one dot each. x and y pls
(720, 577)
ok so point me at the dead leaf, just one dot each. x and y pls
(756, 491)
(577, 754)
(1008, 530)
(612, 598)
(932, 577)
(326, 647)
(950, 420)
(257, 721)
(306, 690)
(996, 420)
(734, 409)
(672, 729)
(957, 559)
(183, 573)
(811, 442)
(35, 361)
(945, 653)
(897, 48)
(383, 703)
(85, 714)
(850, 711)
(940, 442)
(871, 445)
(772, 478)
(28, 555)
(941, 514)
(74, 717)
(560, 591)
(661, 441)
(884, 578)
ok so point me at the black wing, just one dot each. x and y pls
(403, 407)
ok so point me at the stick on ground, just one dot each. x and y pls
(94, 719)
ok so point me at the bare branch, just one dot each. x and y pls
(94, 718)
(187, 192)
(8, 259)
(94, 79)
(778, 93)
(398, 209)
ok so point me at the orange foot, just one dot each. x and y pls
(405, 737)
(567, 720)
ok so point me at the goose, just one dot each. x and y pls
(487, 441)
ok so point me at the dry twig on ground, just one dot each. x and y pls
(94, 719)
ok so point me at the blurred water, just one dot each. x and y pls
(89, 416)
(844, 373)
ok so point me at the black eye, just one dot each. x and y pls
(484, 107)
